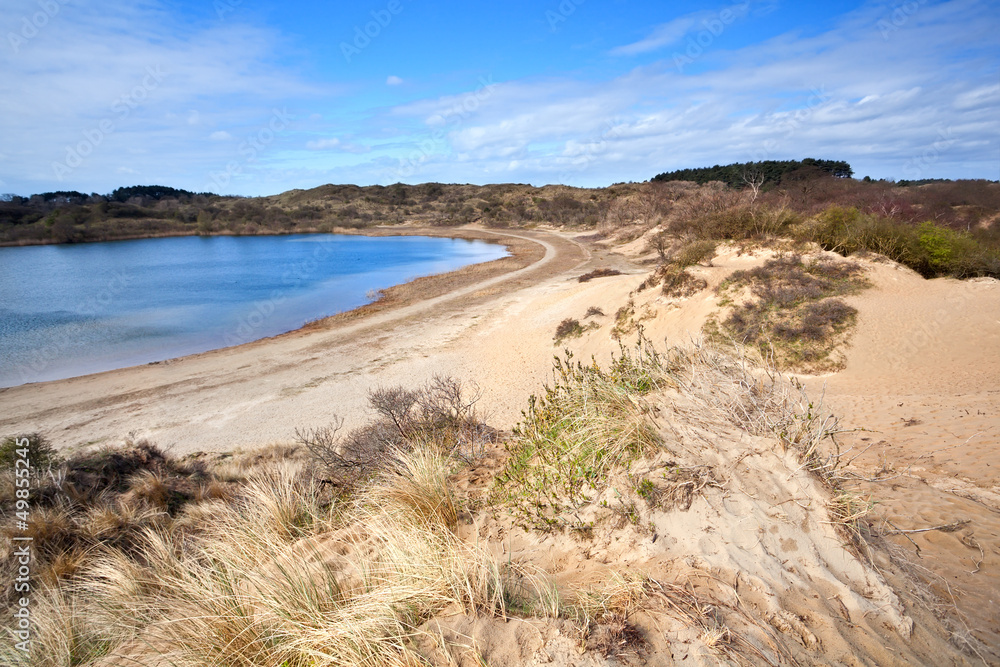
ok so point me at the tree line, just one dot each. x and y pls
(767, 172)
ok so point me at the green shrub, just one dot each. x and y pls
(36, 447)
(738, 223)
(568, 328)
(695, 252)
(929, 249)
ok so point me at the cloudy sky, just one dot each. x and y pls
(252, 97)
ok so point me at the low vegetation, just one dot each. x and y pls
(938, 228)
(672, 272)
(788, 309)
(589, 422)
(598, 273)
(250, 559)
(568, 328)
(232, 573)
(442, 412)
(930, 249)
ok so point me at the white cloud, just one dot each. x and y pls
(333, 143)
(789, 97)
(393, 80)
(132, 68)
(852, 92)
(663, 35)
(673, 32)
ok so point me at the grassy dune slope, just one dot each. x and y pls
(678, 502)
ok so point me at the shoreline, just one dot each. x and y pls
(256, 393)
(426, 286)
(346, 231)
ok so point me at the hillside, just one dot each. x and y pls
(805, 202)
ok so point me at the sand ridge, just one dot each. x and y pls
(923, 381)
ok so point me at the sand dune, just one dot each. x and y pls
(922, 379)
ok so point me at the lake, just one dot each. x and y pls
(68, 310)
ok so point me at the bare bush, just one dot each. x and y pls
(394, 404)
(440, 415)
(347, 460)
(598, 273)
(568, 328)
(447, 416)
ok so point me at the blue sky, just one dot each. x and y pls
(249, 97)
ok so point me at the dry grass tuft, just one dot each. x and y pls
(254, 580)
(415, 484)
(603, 613)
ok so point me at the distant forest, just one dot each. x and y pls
(767, 172)
(150, 192)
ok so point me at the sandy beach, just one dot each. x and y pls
(476, 324)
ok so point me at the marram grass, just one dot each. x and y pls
(277, 579)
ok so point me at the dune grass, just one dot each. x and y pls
(256, 580)
(279, 570)
(590, 421)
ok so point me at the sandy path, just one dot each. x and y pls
(258, 393)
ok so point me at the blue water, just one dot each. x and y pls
(68, 310)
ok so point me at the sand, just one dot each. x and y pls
(922, 378)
